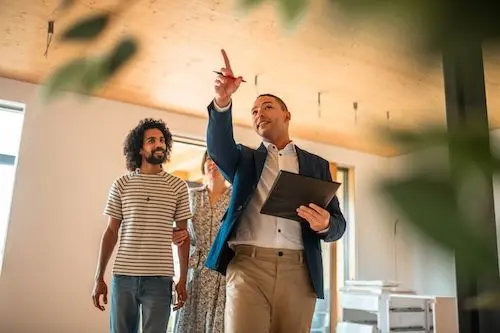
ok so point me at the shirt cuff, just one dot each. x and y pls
(324, 231)
(222, 109)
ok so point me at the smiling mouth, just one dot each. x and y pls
(262, 123)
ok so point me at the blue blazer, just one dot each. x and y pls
(242, 167)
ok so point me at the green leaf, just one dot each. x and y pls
(431, 205)
(292, 9)
(247, 4)
(82, 75)
(63, 78)
(88, 28)
(489, 300)
(85, 75)
(94, 77)
(437, 23)
(122, 53)
(469, 147)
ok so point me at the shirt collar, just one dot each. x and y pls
(289, 148)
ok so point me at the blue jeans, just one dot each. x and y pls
(130, 293)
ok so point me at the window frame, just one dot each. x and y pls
(10, 160)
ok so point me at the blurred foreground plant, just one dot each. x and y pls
(439, 23)
(87, 73)
(446, 195)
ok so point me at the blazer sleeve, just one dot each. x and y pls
(221, 146)
(338, 224)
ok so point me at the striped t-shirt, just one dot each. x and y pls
(147, 205)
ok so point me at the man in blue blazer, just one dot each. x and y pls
(273, 266)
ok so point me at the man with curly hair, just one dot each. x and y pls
(142, 207)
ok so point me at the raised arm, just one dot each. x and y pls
(221, 145)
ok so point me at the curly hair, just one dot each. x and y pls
(135, 140)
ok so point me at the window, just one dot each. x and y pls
(344, 264)
(11, 122)
(347, 242)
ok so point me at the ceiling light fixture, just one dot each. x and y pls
(50, 33)
(256, 83)
(355, 107)
(319, 104)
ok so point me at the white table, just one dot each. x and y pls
(379, 310)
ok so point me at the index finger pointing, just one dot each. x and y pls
(227, 64)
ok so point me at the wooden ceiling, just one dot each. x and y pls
(369, 64)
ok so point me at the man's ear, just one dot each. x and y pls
(288, 116)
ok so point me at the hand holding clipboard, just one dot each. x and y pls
(297, 197)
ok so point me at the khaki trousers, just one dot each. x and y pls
(268, 291)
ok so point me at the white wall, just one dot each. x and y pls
(428, 268)
(70, 153)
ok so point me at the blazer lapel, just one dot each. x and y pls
(304, 168)
(260, 159)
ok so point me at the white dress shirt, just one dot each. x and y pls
(262, 230)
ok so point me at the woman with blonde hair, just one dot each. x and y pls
(206, 289)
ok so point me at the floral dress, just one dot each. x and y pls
(206, 289)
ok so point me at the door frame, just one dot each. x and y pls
(334, 294)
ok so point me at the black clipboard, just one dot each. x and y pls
(291, 190)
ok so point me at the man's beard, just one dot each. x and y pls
(152, 159)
